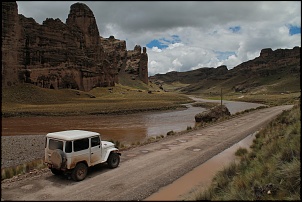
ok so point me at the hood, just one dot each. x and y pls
(106, 144)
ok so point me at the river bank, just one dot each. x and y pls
(155, 162)
(26, 134)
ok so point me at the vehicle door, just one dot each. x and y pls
(81, 151)
(95, 150)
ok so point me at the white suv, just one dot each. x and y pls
(73, 151)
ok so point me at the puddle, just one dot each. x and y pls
(182, 141)
(28, 187)
(171, 145)
(131, 155)
(188, 183)
(196, 150)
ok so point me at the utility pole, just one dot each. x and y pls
(221, 102)
(221, 97)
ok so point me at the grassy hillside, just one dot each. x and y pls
(276, 73)
(270, 91)
(270, 171)
(281, 82)
(130, 81)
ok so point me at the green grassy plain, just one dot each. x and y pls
(30, 100)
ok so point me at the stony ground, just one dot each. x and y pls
(16, 150)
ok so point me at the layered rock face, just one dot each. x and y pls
(64, 55)
(269, 62)
(11, 34)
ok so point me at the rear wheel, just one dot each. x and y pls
(56, 171)
(113, 160)
(79, 172)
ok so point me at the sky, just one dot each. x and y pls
(187, 35)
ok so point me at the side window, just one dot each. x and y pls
(68, 147)
(81, 144)
(95, 141)
(55, 144)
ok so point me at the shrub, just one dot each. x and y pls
(241, 152)
(171, 132)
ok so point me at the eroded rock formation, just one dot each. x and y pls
(65, 55)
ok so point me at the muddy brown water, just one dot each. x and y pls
(124, 128)
(190, 185)
(131, 128)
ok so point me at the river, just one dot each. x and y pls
(131, 128)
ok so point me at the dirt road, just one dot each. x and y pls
(143, 170)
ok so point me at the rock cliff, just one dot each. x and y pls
(271, 61)
(65, 55)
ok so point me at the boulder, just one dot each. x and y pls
(212, 114)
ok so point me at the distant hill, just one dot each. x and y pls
(272, 72)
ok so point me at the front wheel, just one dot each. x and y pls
(113, 160)
(79, 172)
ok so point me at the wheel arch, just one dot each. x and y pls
(84, 162)
(109, 151)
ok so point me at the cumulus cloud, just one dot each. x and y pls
(186, 35)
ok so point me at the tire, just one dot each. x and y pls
(113, 160)
(56, 158)
(56, 171)
(79, 173)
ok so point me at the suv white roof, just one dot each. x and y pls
(72, 134)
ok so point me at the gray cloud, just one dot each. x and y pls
(202, 27)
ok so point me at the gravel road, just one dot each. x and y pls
(142, 170)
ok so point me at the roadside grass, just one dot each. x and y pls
(271, 171)
(10, 172)
(241, 152)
